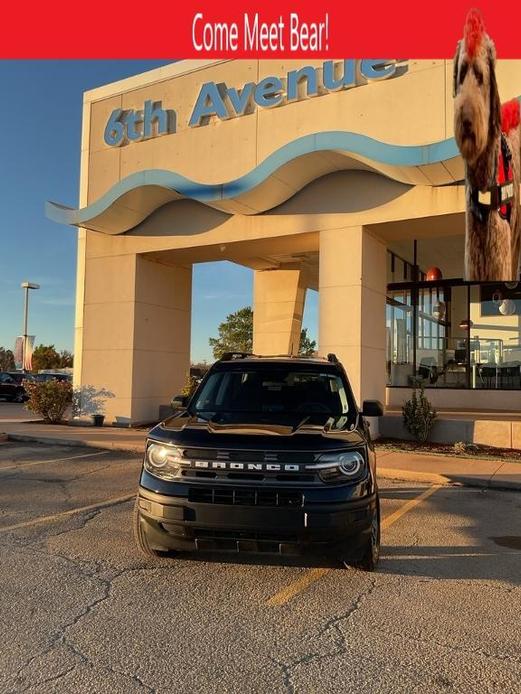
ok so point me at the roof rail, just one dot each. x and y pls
(229, 356)
(289, 356)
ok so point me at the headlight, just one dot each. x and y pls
(163, 461)
(341, 467)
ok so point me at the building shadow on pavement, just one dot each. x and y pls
(457, 533)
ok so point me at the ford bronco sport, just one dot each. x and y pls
(270, 454)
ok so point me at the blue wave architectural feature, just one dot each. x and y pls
(389, 159)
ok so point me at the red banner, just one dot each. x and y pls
(232, 29)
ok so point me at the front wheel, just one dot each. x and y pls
(371, 553)
(19, 397)
(140, 536)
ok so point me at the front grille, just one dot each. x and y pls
(223, 475)
(244, 456)
(246, 497)
(262, 459)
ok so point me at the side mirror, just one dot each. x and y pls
(372, 408)
(178, 402)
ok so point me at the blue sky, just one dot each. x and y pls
(40, 125)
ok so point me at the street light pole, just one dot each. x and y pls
(26, 286)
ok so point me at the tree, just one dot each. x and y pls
(46, 357)
(66, 359)
(6, 360)
(236, 335)
(307, 345)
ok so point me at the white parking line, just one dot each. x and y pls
(72, 511)
(55, 460)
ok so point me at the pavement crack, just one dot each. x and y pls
(451, 647)
(331, 630)
(61, 637)
(47, 680)
(333, 624)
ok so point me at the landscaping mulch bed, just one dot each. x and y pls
(470, 450)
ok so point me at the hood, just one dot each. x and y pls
(233, 430)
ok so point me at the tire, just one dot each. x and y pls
(371, 554)
(140, 537)
(19, 397)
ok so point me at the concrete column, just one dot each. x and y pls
(352, 295)
(278, 305)
(136, 336)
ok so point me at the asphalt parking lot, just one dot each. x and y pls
(15, 412)
(81, 611)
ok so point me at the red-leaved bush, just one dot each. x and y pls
(50, 399)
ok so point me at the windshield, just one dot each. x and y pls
(273, 391)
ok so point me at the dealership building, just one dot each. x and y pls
(338, 176)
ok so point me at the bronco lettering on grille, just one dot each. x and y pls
(256, 467)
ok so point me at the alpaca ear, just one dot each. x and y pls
(455, 73)
(495, 103)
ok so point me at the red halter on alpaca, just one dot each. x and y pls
(473, 33)
(510, 116)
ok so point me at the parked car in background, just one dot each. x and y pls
(21, 376)
(40, 378)
(11, 390)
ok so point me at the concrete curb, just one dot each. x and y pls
(83, 443)
(453, 481)
(389, 473)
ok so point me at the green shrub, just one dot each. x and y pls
(460, 447)
(49, 399)
(463, 447)
(418, 416)
(191, 383)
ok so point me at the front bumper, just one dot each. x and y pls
(175, 523)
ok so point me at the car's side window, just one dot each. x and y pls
(5, 378)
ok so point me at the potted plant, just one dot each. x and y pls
(98, 419)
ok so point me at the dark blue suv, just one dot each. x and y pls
(269, 455)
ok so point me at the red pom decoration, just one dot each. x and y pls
(433, 274)
(473, 32)
(510, 115)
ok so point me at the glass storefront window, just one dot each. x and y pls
(399, 338)
(453, 334)
(495, 332)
